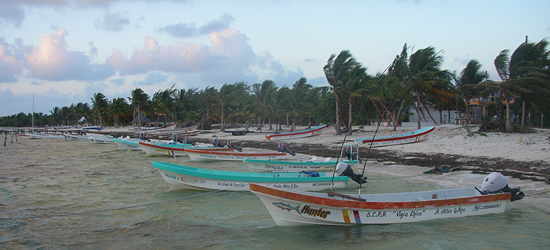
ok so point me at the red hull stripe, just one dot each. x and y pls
(399, 137)
(297, 133)
(232, 153)
(182, 149)
(350, 204)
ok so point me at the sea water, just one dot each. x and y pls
(64, 194)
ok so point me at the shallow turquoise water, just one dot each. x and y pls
(51, 190)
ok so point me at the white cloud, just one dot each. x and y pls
(9, 66)
(50, 60)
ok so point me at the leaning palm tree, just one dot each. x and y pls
(337, 72)
(422, 77)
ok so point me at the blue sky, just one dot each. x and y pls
(64, 51)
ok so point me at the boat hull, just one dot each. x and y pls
(127, 144)
(183, 177)
(207, 155)
(292, 208)
(291, 166)
(173, 149)
(298, 134)
(411, 137)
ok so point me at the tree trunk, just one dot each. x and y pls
(418, 114)
(523, 114)
(398, 115)
(223, 120)
(349, 117)
(509, 127)
(337, 125)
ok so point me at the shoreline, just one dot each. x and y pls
(519, 155)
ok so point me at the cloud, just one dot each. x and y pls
(50, 60)
(112, 21)
(12, 12)
(184, 30)
(9, 66)
(152, 79)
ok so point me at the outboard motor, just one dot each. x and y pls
(282, 148)
(343, 169)
(231, 145)
(497, 183)
(189, 141)
(352, 156)
(216, 143)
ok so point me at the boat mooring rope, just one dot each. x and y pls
(128, 207)
(109, 183)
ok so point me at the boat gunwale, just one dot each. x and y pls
(305, 131)
(340, 203)
(292, 177)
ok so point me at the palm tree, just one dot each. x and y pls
(117, 109)
(100, 104)
(337, 71)
(263, 92)
(140, 102)
(468, 85)
(422, 77)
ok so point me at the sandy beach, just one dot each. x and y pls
(522, 155)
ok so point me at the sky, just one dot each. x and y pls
(54, 53)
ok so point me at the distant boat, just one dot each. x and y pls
(208, 155)
(410, 137)
(45, 136)
(151, 148)
(297, 134)
(76, 137)
(92, 127)
(101, 139)
(296, 208)
(179, 176)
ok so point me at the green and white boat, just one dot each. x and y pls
(179, 176)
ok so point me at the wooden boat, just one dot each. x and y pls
(151, 148)
(410, 137)
(178, 176)
(297, 134)
(324, 164)
(294, 208)
(209, 155)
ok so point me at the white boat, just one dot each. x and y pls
(178, 176)
(295, 208)
(76, 137)
(314, 164)
(155, 149)
(410, 137)
(101, 139)
(45, 136)
(297, 134)
(208, 155)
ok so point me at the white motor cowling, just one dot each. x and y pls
(494, 182)
(497, 183)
